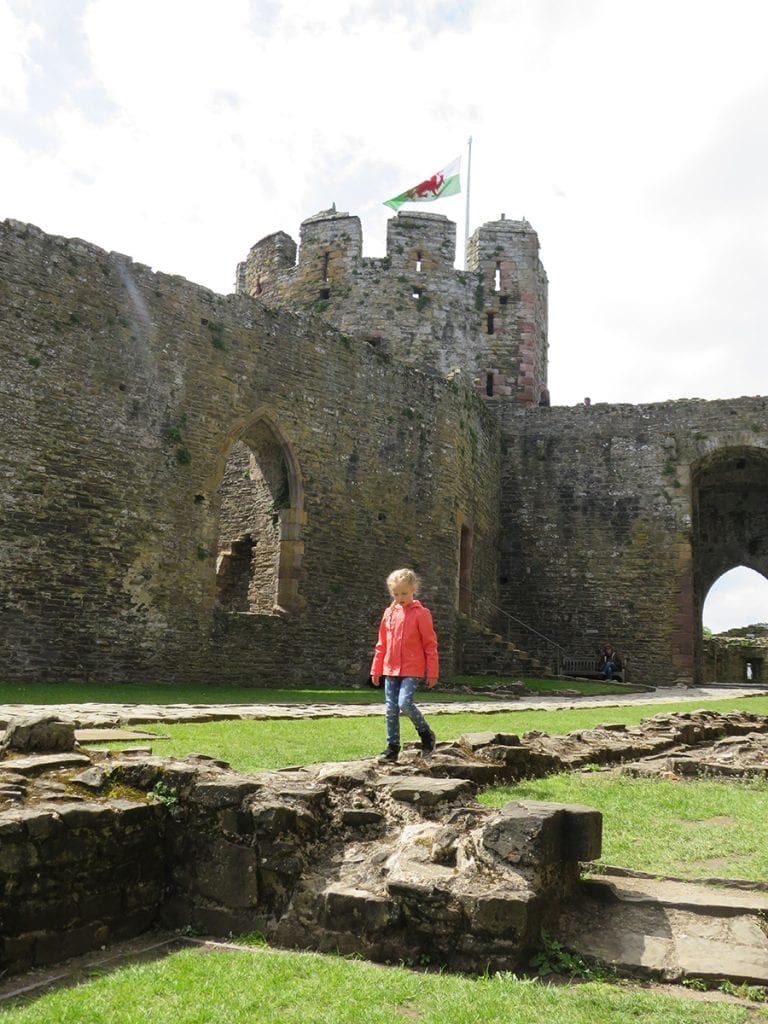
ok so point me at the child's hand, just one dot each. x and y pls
(376, 680)
(431, 684)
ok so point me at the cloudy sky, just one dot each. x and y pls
(632, 135)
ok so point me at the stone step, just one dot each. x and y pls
(724, 900)
(670, 930)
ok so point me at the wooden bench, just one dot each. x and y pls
(586, 667)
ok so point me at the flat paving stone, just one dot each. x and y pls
(98, 715)
(119, 735)
(671, 930)
(714, 899)
(35, 764)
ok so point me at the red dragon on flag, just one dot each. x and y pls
(443, 183)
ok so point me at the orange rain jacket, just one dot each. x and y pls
(407, 643)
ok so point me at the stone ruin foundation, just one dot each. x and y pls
(392, 862)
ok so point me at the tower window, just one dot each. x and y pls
(326, 262)
(416, 293)
(489, 323)
(489, 384)
(325, 294)
(418, 262)
(497, 278)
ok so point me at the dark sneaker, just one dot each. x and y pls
(390, 754)
(427, 741)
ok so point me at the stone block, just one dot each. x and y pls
(39, 732)
(53, 946)
(526, 835)
(226, 873)
(427, 792)
(274, 819)
(356, 910)
(223, 792)
(583, 833)
(476, 740)
(499, 913)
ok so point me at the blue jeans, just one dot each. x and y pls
(399, 691)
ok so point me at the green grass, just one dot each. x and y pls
(229, 987)
(115, 693)
(541, 686)
(252, 746)
(194, 987)
(688, 829)
(86, 693)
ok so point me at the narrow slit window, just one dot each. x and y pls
(497, 278)
(489, 384)
(418, 262)
(416, 293)
(489, 323)
(326, 262)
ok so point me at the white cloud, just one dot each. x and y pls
(738, 598)
(15, 37)
(628, 134)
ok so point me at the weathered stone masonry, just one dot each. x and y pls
(124, 391)
(196, 486)
(618, 519)
(392, 862)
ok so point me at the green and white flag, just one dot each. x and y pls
(444, 183)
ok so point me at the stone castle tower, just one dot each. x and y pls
(489, 322)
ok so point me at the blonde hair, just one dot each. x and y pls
(407, 576)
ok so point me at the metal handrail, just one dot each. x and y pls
(559, 650)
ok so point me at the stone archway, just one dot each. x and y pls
(730, 522)
(261, 516)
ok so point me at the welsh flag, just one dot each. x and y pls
(444, 183)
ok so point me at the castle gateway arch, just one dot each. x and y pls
(729, 494)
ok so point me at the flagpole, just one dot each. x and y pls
(466, 217)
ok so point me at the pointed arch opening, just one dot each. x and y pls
(260, 546)
(735, 619)
(729, 534)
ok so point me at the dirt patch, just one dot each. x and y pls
(718, 821)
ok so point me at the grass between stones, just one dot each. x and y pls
(252, 746)
(249, 986)
(687, 829)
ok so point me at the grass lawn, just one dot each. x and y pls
(229, 987)
(113, 693)
(689, 829)
(252, 746)
(261, 987)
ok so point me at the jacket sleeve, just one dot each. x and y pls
(377, 665)
(429, 643)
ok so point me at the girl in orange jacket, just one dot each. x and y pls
(406, 652)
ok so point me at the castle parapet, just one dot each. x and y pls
(488, 323)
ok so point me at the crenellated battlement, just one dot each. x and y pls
(488, 322)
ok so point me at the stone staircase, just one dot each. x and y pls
(671, 929)
(484, 652)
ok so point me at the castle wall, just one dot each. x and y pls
(488, 323)
(735, 660)
(124, 391)
(607, 523)
(154, 432)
